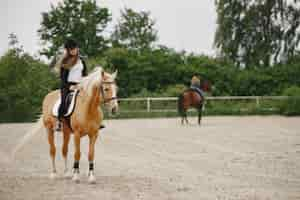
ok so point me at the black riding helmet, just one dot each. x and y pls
(71, 44)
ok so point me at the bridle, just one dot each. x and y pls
(106, 100)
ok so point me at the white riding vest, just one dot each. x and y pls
(75, 73)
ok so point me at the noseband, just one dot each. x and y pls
(106, 100)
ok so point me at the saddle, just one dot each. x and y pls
(70, 104)
(197, 90)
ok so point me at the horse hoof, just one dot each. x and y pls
(92, 179)
(67, 175)
(76, 178)
(53, 175)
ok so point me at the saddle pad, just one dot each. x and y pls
(71, 106)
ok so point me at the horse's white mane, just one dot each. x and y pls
(92, 79)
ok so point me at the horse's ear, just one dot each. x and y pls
(114, 75)
(102, 73)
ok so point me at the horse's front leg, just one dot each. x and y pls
(52, 152)
(92, 138)
(76, 157)
(66, 140)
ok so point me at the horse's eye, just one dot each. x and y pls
(106, 89)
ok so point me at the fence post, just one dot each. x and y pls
(148, 104)
(257, 102)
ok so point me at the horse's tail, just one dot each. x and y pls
(180, 105)
(36, 128)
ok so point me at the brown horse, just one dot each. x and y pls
(97, 88)
(192, 97)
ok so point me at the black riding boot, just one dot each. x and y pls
(62, 107)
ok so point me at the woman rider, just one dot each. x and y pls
(71, 69)
(195, 85)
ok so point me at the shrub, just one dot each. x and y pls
(291, 105)
(24, 82)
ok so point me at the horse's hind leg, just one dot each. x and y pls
(92, 138)
(185, 117)
(76, 157)
(52, 151)
(199, 114)
(66, 139)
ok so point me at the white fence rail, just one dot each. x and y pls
(150, 100)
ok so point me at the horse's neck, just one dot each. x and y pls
(91, 101)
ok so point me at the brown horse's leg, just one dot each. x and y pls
(66, 139)
(76, 156)
(92, 138)
(199, 114)
(52, 151)
(185, 116)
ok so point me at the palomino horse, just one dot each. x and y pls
(97, 88)
(192, 98)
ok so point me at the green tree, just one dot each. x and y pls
(135, 30)
(82, 20)
(24, 82)
(257, 33)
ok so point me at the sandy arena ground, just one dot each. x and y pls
(227, 158)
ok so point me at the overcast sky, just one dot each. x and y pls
(184, 25)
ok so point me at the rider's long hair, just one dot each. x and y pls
(69, 61)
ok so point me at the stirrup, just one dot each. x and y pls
(58, 126)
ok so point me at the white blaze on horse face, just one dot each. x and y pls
(114, 101)
(110, 92)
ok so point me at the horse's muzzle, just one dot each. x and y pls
(114, 110)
